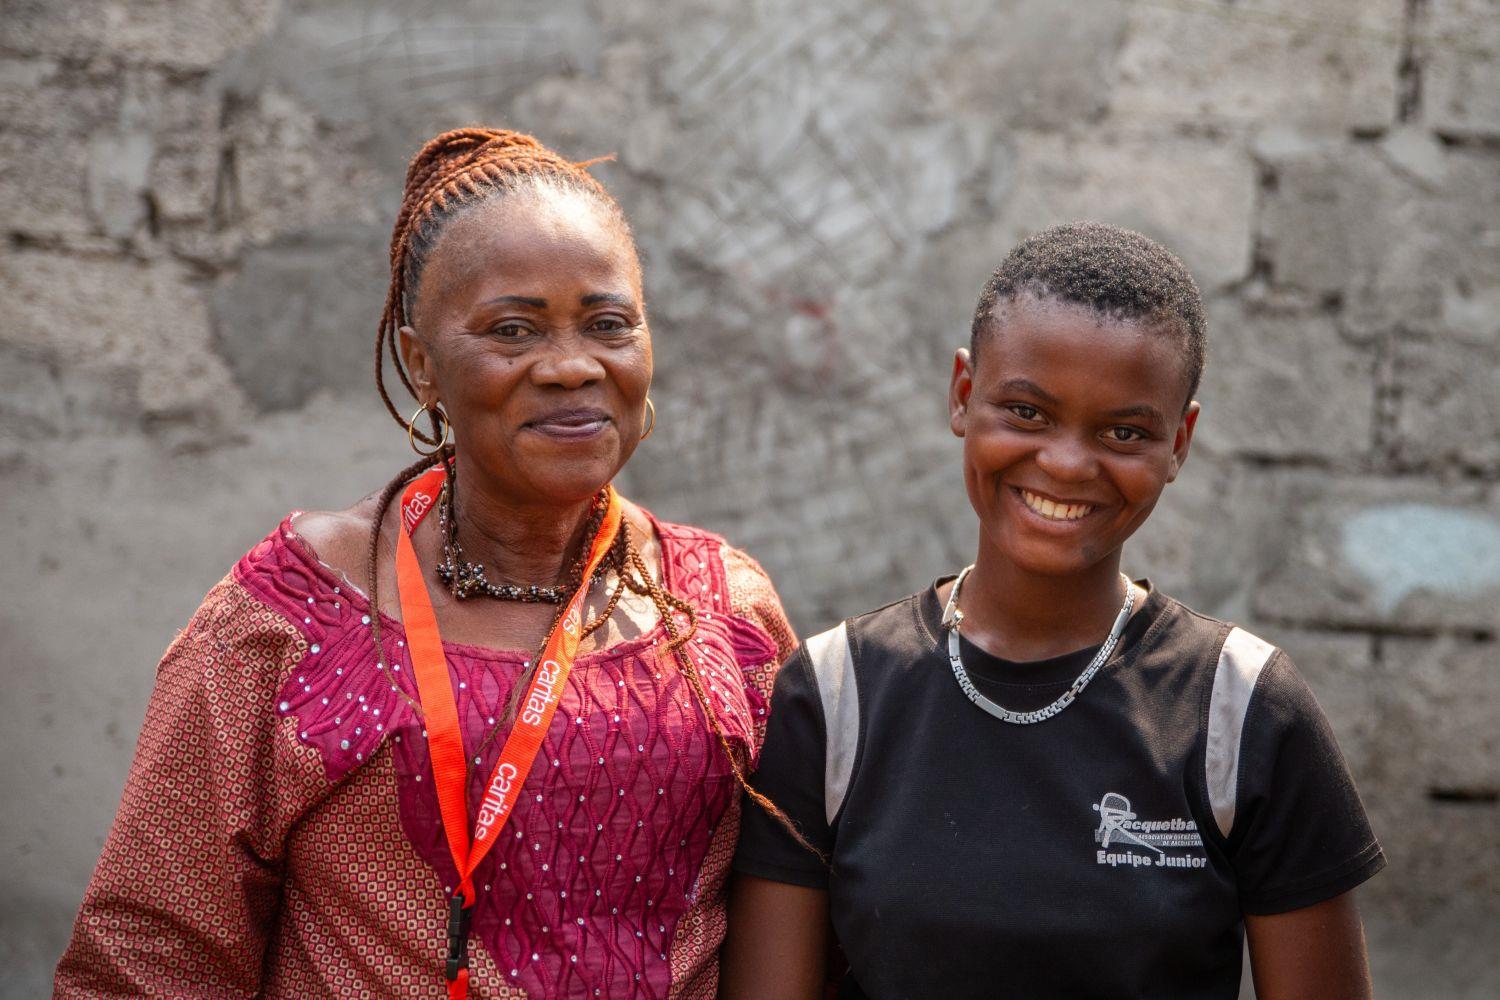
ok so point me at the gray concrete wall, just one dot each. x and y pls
(196, 197)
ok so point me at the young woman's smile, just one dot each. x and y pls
(1072, 426)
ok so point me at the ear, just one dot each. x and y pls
(418, 361)
(1183, 440)
(960, 386)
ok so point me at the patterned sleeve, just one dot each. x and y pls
(754, 598)
(188, 885)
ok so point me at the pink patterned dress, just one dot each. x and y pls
(279, 835)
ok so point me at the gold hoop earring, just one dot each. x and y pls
(411, 430)
(650, 412)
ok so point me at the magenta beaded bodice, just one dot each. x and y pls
(582, 894)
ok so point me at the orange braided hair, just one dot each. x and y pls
(452, 170)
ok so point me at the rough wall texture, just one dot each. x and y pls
(196, 197)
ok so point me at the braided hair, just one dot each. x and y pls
(452, 172)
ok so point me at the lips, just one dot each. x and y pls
(1052, 509)
(570, 423)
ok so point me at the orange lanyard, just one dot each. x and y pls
(440, 712)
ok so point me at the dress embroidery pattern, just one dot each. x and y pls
(606, 851)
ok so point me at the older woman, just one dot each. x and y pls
(511, 707)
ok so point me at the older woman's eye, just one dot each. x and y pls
(510, 331)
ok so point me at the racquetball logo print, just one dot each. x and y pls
(1127, 841)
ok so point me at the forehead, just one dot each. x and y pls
(1078, 356)
(530, 242)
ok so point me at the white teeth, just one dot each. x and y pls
(1055, 511)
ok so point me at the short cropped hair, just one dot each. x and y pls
(1117, 273)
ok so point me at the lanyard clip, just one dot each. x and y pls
(458, 936)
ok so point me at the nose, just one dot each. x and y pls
(1067, 459)
(567, 364)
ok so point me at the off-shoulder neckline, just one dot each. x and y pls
(289, 539)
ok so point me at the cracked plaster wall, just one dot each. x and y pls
(197, 195)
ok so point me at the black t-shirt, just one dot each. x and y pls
(1110, 851)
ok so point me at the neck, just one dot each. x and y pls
(519, 542)
(1019, 615)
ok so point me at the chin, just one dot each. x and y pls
(1048, 563)
(1043, 556)
(575, 480)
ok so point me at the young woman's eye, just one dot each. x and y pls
(1126, 435)
(609, 324)
(1024, 412)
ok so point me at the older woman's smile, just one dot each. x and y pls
(570, 423)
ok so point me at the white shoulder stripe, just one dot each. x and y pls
(833, 668)
(1240, 663)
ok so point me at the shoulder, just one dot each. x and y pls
(338, 539)
(692, 550)
(894, 632)
(1199, 648)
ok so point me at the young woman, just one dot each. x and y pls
(1042, 779)
(468, 708)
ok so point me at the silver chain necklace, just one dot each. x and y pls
(953, 617)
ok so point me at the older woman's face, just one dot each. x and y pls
(530, 330)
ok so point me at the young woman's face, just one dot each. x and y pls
(530, 331)
(1072, 427)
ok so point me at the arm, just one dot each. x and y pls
(777, 947)
(1315, 953)
(189, 882)
(1300, 843)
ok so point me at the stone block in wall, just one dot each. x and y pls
(42, 399)
(287, 172)
(1024, 63)
(1284, 383)
(43, 97)
(1439, 714)
(104, 153)
(146, 322)
(299, 316)
(43, 185)
(1318, 232)
(1399, 233)
(184, 175)
(1445, 408)
(1442, 855)
(1200, 199)
(1431, 794)
(1403, 555)
(183, 34)
(1459, 49)
(1330, 65)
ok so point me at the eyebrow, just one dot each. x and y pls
(1143, 411)
(609, 297)
(522, 300)
(1027, 386)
